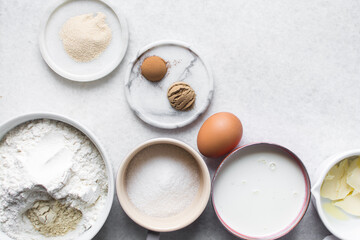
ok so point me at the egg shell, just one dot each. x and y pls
(219, 134)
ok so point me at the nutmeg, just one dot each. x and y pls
(153, 68)
(181, 96)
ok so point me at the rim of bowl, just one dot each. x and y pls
(16, 121)
(204, 172)
(327, 165)
(148, 120)
(300, 215)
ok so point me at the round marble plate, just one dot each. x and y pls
(58, 60)
(149, 99)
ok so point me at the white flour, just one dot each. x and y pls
(162, 180)
(43, 159)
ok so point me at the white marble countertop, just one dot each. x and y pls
(288, 69)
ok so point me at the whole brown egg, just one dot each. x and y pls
(219, 134)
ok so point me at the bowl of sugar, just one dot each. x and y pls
(163, 185)
(260, 191)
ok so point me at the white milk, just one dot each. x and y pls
(259, 191)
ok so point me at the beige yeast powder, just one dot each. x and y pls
(85, 37)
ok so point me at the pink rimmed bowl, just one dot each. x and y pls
(236, 155)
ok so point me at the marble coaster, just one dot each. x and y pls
(149, 99)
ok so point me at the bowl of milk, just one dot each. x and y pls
(261, 191)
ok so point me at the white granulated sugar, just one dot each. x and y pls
(86, 36)
(162, 180)
(45, 159)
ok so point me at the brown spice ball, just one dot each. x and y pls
(153, 68)
(181, 96)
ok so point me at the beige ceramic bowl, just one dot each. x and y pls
(172, 223)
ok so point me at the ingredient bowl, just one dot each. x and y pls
(89, 234)
(347, 228)
(51, 46)
(171, 223)
(260, 191)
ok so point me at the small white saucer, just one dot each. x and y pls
(149, 99)
(58, 60)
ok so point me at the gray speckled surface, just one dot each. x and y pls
(288, 68)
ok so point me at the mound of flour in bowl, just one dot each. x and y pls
(46, 160)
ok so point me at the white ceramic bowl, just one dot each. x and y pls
(7, 126)
(53, 52)
(344, 229)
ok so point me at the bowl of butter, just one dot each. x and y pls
(337, 194)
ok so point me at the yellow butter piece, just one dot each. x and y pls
(334, 211)
(353, 176)
(351, 204)
(354, 164)
(335, 185)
